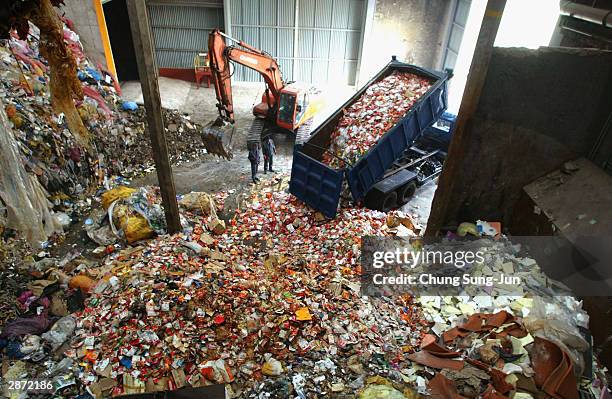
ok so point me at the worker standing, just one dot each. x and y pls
(254, 158)
(269, 150)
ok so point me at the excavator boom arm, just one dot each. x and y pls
(243, 54)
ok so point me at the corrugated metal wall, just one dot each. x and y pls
(268, 25)
(325, 48)
(180, 29)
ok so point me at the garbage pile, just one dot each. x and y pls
(500, 355)
(39, 295)
(42, 294)
(503, 341)
(127, 148)
(276, 297)
(130, 215)
(380, 107)
(268, 302)
(15, 255)
(270, 305)
(117, 128)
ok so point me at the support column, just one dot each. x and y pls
(227, 17)
(368, 20)
(469, 103)
(147, 69)
(295, 38)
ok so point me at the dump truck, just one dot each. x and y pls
(439, 134)
(379, 178)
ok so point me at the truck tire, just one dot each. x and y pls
(405, 192)
(389, 202)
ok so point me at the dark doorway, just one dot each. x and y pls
(120, 35)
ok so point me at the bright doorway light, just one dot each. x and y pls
(466, 51)
(527, 23)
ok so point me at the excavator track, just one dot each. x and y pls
(303, 132)
(254, 133)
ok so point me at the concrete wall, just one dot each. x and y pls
(414, 30)
(538, 109)
(83, 15)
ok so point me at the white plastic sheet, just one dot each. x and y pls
(27, 207)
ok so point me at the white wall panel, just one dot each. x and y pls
(328, 37)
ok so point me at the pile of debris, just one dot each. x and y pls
(272, 307)
(277, 295)
(121, 146)
(269, 303)
(127, 148)
(498, 355)
(15, 256)
(372, 115)
(38, 297)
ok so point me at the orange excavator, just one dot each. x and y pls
(284, 107)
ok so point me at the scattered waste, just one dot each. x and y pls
(266, 303)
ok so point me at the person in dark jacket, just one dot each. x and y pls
(254, 158)
(269, 150)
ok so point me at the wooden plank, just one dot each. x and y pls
(469, 103)
(147, 69)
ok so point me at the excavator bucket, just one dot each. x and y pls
(217, 137)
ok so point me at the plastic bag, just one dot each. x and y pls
(137, 228)
(115, 194)
(27, 207)
(59, 333)
(129, 106)
(63, 219)
(198, 201)
(133, 225)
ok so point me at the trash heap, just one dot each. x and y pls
(365, 121)
(543, 352)
(273, 307)
(277, 295)
(498, 346)
(39, 294)
(127, 148)
(15, 255)
(270, 305)
(121, 146)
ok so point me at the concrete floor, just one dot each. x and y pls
(212, 174)
(419, 206)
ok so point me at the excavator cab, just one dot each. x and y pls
(288, 108)
(294, 107)
(301, 107)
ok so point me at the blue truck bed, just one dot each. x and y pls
(320, 186)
